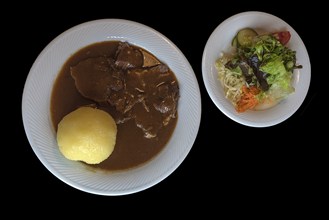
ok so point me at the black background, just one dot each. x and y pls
(228, 162)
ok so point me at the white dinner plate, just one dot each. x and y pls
(36, 108)
(220, 42)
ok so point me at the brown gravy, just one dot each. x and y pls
(135, 144)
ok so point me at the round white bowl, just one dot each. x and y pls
(220, 42)
(42, 136)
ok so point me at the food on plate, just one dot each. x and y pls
(139, 91)
(87, 134)
(258, 73)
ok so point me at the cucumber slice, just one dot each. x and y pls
(234, 42)
(245, 36)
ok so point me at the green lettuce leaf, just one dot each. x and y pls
(273, 67)
(278, 78)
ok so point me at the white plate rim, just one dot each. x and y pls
(242, 118)
(145, 31)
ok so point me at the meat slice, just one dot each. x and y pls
(149, 59)
(146, 94)
(159, 92)
(92, 78)
(128, 57)
(95, 78)
(167, 100)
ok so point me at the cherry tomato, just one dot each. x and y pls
(283, 36)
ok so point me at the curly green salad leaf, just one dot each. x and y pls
(259, 71)
(279, 78)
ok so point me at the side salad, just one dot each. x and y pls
(258, 74)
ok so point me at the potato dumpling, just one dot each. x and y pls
(87, 134)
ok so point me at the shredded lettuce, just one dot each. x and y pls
(275, 61)
(266, 47)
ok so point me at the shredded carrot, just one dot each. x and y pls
(248, 99)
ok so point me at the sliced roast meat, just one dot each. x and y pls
(160, 94)
(149, 59)
(95, 78)
(149, 121)
(128, 57)
(149, 95)
(167, 97)
(92, 78)
(160, 69)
